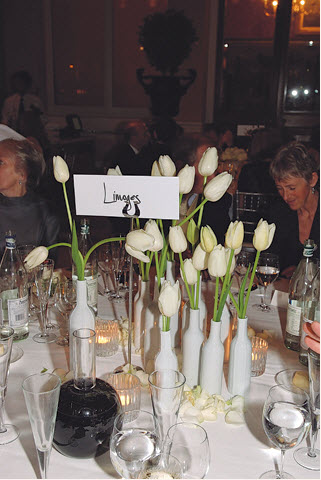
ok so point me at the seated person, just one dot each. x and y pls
(21, 209)
(297, 214)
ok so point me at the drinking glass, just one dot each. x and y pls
(8, 433)
(310, 457)
(41, 392)
(166, 388)
(66, 300)
(118, 258)
(23, 251)
(43, 279)
(243, 260)
(135, 439)
(105, 265)
(286, 419)
(161, 466)
(267, 271)
(188, 442)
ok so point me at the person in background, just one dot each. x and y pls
(313, 335)
(211, 131)
(21, 209)
(226, 136)
(297, 214)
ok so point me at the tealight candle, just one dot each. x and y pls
(127, 386)
(107, 337)
(259, 353)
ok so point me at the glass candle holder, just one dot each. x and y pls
(259, 354)
(128, 388)
(107, 337)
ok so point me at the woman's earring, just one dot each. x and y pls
(20, 182)
(313, 190)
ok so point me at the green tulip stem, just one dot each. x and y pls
(158, 271)
(98, 244)
(217, 282)
(233, 301)
(67, 205)
(137, 223)
(193, 212)
(163, 256)
(197, 288)
(243, 312)
(142, 271)
(62, 244)
(166, 323)
(191, 299)
(148, 265)
(200, 215)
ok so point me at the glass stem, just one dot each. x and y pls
(263, 302)
(314, 435)
(43, 459)
(2, 427)
(280, 475)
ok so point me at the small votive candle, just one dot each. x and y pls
(259, 353)
(107, 337)
(128, 387)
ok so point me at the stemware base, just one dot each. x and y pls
(45, 337)
(16, 353)
(311, 462)
(11, 434)
(275, 474)
(262, 307)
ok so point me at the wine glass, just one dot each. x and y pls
(41, 392)
(23, 251)
(135, 439)
(8, 433)
(286, 419)
(105, 265)
(43, 279)
(243, 260)
(267, 271)
(118, 257)
(188, 442)
(310, 457)
(66, 300)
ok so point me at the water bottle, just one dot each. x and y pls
(311, 312)
(13, 290)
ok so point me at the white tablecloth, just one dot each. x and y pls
(236, 451)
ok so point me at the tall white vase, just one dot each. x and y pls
(212, 359)
(191, 346)
(239, 371)
(203, 312)
(152, 331)
(166, 358)
(175, 324)
(81, 317)
(139, 314)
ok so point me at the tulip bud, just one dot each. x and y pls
(140, 240)
(186, 179)
(216, 188)
(133, 252)
(263, 235)
(61, 170)
(177, 239)
(200, 258)
(208, 163)
(169, 299)
(217, 265)
(152, 229)
(192, 232)
(234, 235)
(228, 253)
(208, 239)
(114, 171)
(190, 272)
(36, 257)
(166, 166)
(155, 170)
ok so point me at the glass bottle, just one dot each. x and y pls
(299, 283)
(311, 312)
(13, 290)
(91, 269)
(87, 405)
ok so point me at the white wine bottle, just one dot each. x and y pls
(299, 283)
(13, 290)
(310, 313)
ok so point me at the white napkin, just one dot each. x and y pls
(280, 299)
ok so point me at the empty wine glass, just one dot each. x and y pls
(118, 257)
(267, 271)
(41, 392)
(286, 419)
(105, 266)
(135, 439)
(23, 251)
(43, 279)
(8, 433)
(66, 299)
(243, 260)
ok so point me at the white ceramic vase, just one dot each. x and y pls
(203, 313)
(81, 317)
(175, 324)
(212, 360)
(166, 358)
(239, 371)
(152, 331)
(139, 314)
(191, 348)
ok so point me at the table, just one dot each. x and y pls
(236, 451)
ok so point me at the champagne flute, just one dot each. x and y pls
(43, 279)
(66, 299)
(105, 265)
(135, 439)
(23, 251)
(286, 419)
(8, 433)
(118, 257)
(267, 271)
(41, 392)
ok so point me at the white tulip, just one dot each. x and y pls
(227, 253)
(190, 272)
(216, 188)
(209, 162)
(140, 240)
(200, 258)
(155, 170)
(169, 299)
(151, 228)
(263, 235)
(186, 179)
(217, 265)
(36, 257)
(134, 252)
(234, 235)
(114, 171)
(166, 166)
(61, 170)
(208, 239)
(177, 239)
